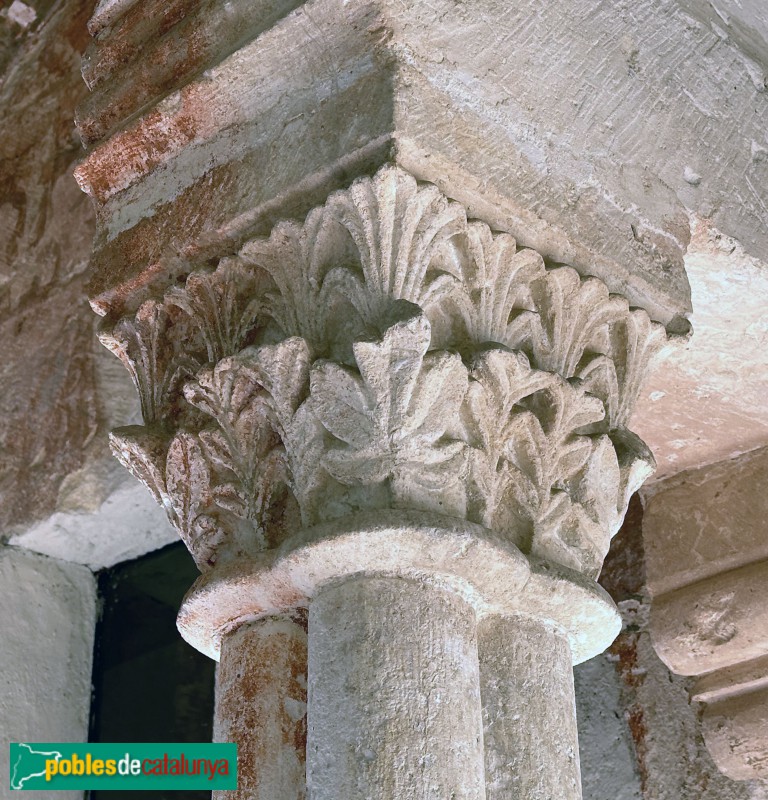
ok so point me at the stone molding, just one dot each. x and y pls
(716, 630)
(206, 124)
(387, 353)
(483, 568)
(709, 618)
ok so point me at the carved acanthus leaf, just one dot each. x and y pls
(617, 377)
(499, 380)
(573, 313)
(178, 475)
(578, 528)
(293, 257)
(536, 471)
(397, 228)
(495, 299)
(190, 488)
(245, 445)
(142, 452)
(283, 371)
(546, 448)
(367, 402)
(391, 420)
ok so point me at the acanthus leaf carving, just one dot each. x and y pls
(335, 381)
(494, 299)
(390, 421)
(397, 227)
(283, 370)
(499, 380)
(548, 446)
(150, 346)
(617, 377)
(189, 484)
(245, 445)
(142, 451)
(292, 257)
(572, 314)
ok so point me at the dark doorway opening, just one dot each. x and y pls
(149, 685)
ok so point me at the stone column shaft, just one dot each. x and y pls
(261, 705)
(529, 712)
(393, 693)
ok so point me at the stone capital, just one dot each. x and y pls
(387, 355)
(387, 337)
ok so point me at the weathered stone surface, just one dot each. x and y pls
(606, 750)
(529, 716)
(367, 404)
(485, 569)
(708, 617)
(735, 731)
(709, 574)
(60, 393)
(715, 623)
(373, 358)
(261, 705)
(645, 703)
(748, 676)
(434, 97)
(49, 403)
(673, 759)
(47, 628)
(706, 402)
(394, 700)
(706, 521)
(743, 23)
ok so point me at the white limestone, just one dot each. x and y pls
(709, 619)
(391, 388)
(47, 630)
(529, 714)
(423, 362)
(394, 700)
(706, 401)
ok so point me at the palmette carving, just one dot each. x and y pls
(388, 353)
(150, 345)
(224, 305)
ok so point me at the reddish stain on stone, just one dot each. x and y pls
(163, 67)
(134, 258)
(127, 37)
(625, 649)
(261, 705)
(134, 152)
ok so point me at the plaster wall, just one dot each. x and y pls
(47, 630)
